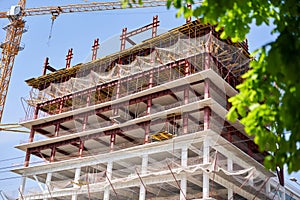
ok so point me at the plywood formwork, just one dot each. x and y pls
(146, 123)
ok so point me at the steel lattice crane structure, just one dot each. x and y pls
(16, 27)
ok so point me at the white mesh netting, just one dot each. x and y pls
(191, 49)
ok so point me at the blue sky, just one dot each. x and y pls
(77, 31)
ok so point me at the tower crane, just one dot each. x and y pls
(16, 27)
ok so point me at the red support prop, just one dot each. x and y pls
(207, 114)
(69, 58)
(155, 24)
(27, 158)
(147, 132)
(185, 123)
(53, 152)
(46, 64)
(123, 39)
(206, 88)
(112, 141)
(95, 48)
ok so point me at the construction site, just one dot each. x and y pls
(146, 122)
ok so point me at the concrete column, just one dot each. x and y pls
(283, 193)
(144, 164)
(48, 180)
(183, 182)
(22, 187)
(205, 174)
(47, 189)
(229, 168)
(145, 159)
(76, 178)
(108, 176)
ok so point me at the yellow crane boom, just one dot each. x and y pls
(14, 30)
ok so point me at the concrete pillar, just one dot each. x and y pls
(145, 159)
(229, 168)
(22, 187)
(108, 179)
(283, 193)
(205, 174)
(76, 179)
(48, 180)
(47, 189)
(183, 182)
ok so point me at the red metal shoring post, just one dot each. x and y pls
(95, 48)
(46, 63)
(155, 25)
(147, 131)
(53, 152)
(69, 58)
(206, 88)
(112, 141)
(27, 158)
(189, 19)
(207, 114)
(123, 39)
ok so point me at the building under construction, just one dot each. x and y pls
(147, 122)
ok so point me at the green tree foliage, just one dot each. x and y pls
(269, 100)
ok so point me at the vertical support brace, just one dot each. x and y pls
(48, 180)
(22, 187)
(205, 175)
(46, 64)
(108, 177)
(123, 39)
(95, 48)
(112, 141)
(76, 179)
(154, 26)
(229, 168)
(147, 126)
(183, 181)
(207, 113)
(206, 88)
(53, 152)
(69, 58)
(147, 133)
(81, 144)
(142, 195)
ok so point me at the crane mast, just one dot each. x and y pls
(10, 48)
(16, 27)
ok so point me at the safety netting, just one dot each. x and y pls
(225, 59)
(167, 170)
